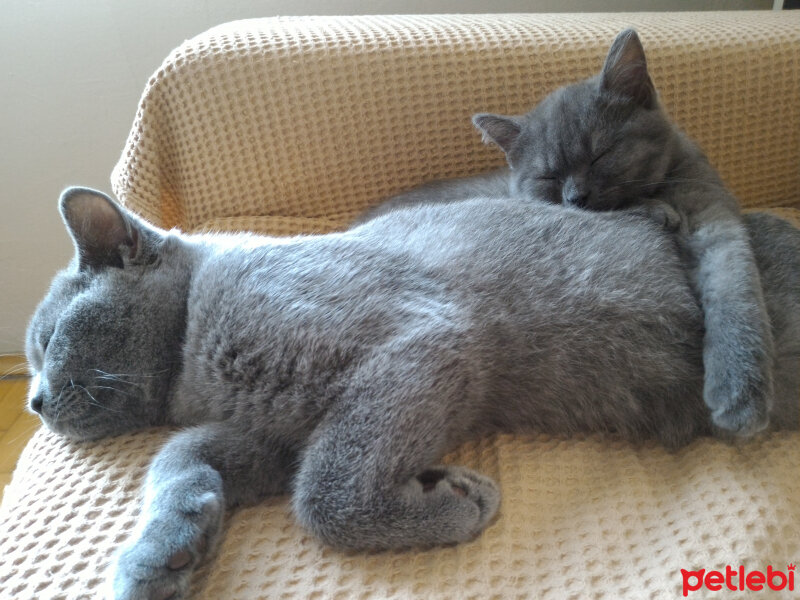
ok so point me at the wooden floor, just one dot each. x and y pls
(17, 425)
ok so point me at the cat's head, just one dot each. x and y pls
(599, 144)
(105, 341)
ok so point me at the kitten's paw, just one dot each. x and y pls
(474, 496)
(159, 563)
(660, 212)
(744, 419)
(737, 406)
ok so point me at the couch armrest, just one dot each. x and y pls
(314, 119)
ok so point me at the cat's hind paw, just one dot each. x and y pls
(474, 494)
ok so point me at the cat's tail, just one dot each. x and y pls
(776, 245)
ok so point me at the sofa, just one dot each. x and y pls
(296, 125)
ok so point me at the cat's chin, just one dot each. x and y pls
(80, 431)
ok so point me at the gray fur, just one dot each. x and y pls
(341, 368)
(606, 144)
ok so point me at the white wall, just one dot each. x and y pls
(72, 72)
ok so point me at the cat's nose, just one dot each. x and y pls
(574, 193)
(577, 198)
(36, 403)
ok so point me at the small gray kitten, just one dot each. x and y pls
(340, 368)
(606, 144)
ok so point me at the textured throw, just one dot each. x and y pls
(295, 125)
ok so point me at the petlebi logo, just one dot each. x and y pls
(739, 580)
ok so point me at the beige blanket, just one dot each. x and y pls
(287, 125)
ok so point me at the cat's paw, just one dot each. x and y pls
(738, 405)
(158, 564)
(743, 418)
(661, 213)
(473, 496)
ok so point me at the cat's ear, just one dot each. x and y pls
(503, 131)
(625, 70)
(105, 234)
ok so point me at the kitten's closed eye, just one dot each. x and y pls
(601, 155)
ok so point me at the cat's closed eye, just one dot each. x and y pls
(600, 155)
(41, 347)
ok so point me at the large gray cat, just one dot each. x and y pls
(342, 367)
(606, 144)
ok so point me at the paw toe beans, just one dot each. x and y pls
(464, 485)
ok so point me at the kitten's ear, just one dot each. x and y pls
(625, 70)
(503, 131)
(105, 234)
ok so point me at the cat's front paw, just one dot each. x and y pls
(660, 212)
(743, 418)
(739, 404)
(159, 563)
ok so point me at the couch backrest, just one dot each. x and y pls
(297, 124)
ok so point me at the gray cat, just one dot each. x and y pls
(606, 144)
(342, 367)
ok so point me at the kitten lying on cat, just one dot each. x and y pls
(342, 367)
(606, 144)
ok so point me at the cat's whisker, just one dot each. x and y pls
(106, 387)
(93, 401)
(123, 375)
(112, 377)
(60, 393)
(60, 401)
(89, 393)
(58, 413)
(25, 432)
(17, 367)
(100, 406)
(671, 181)
(674, 181)
(624, 182)
(106, 378)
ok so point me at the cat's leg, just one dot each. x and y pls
(370, 479)
(738, 344)
(191, 481)
(786, 411)
(349, 500)
(776, 245)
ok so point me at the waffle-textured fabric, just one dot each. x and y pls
(296, 125)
